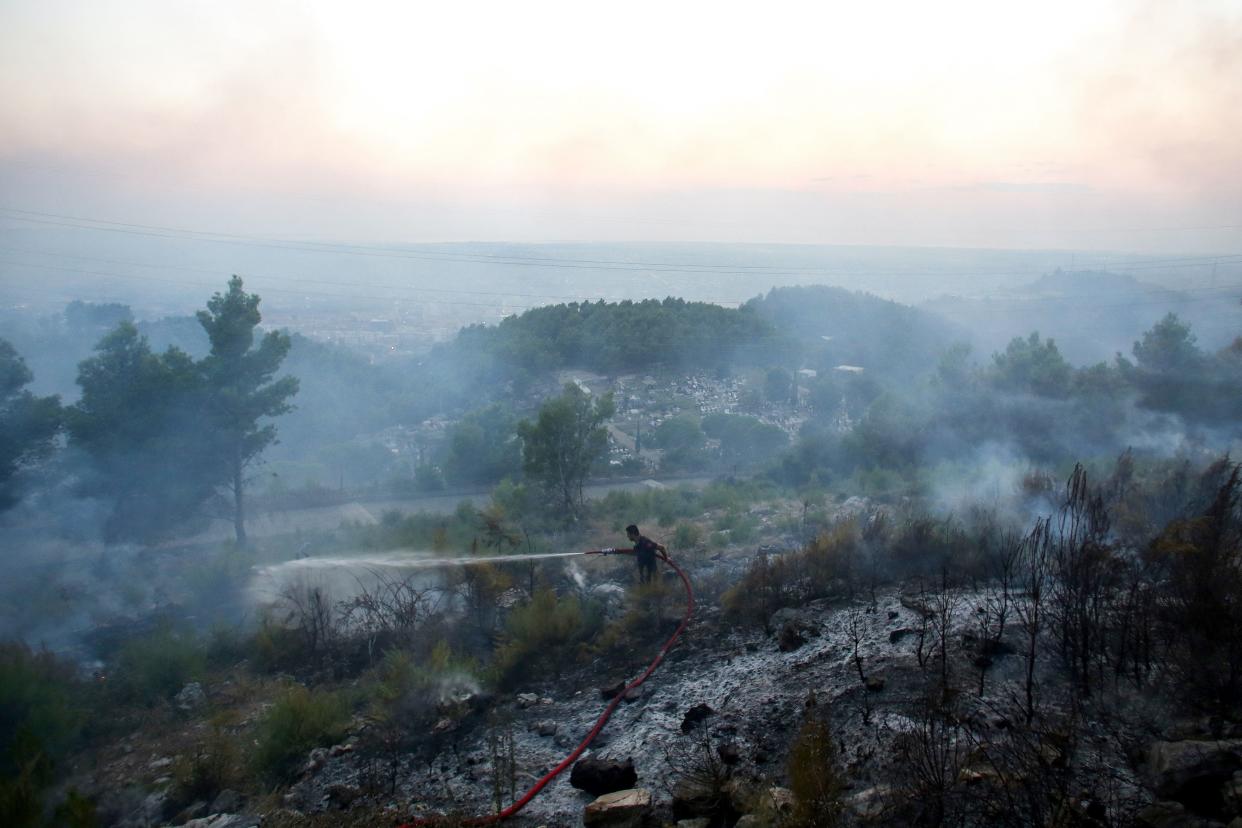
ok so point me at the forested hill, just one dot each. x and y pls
(785, 327)
(623, 336)
(837, 326)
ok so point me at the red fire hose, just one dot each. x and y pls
(603, 718)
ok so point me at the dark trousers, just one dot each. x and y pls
(646, 568)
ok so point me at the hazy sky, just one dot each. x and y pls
(1057, 124)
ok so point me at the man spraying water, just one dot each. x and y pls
(645, 552)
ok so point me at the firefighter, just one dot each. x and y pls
(645, 551)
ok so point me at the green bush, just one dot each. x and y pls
(687, 536)
(156, 666)
(541, 632)
(298, 722)
(815, 778)
(768, 585)
(42, 713)
(214, 766)
(742, 527)
(276, 647)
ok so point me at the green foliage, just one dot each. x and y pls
(1032, 366)
(643, 623)
(156, 666)
(299, 721)
(136, 410)
(541, 632)
(880, 335)
(1202, 598)
(241, 390)
(744, 440)
(41, 709)
(740, 526)
(815, 776)
(562, 445)
(406, 696)
(778, 386)
(76, 811)
(617, 337)
(768, 585)
(687, 536)
(42, 714)
(28, 424)
(276, 646)
(216, 764)
(483, 447)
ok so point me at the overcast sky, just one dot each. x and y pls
(1104, 125)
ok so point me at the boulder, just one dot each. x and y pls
(342, 796)
(789, 639)
(525, 700)
(611, 691)
(777, 800)
(620, 809)
(603, 776)
(698, 822)
(1231, 794)
(872, 803)
(547, 727)
(226, 802)
(694, 716)
(224, 821)
(316, 760)
(692, 798)
(913, 604)
(896, 635)
(793, 628)
(191, 697)
(740, 794)
(1194, 772)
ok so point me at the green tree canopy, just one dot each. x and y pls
(744, 440)
(563, 443)
(28, 424)
(141, 420)
(242, 392)
(483, 447)
(1033, 366)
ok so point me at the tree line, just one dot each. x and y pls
(155, 435)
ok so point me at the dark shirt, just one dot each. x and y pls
(645, 550)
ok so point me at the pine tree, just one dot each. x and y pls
(241, 391)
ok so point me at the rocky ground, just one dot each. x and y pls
(727, 702)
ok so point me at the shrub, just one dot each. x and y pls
(214, 766)
(768, 585)
(539, 633)
(275, 647)
(41, 717)
(643, 623)
(814, 776)
(156, 666)
(687, 536)
(298, 722)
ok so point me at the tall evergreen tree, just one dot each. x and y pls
(28, 424)
(561, 446)
(142, 423)
(241, 391)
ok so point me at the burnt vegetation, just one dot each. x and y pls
(963, 597)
